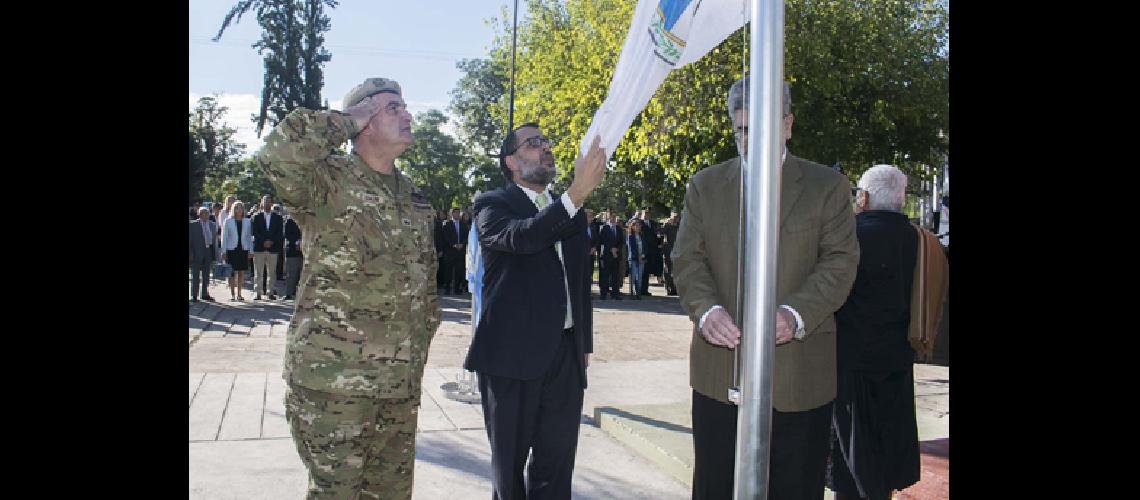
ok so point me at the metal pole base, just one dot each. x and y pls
(463, 390)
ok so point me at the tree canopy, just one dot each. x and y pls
(869, 85)
(292, 40)
(212, 144)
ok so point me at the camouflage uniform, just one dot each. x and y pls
(365, 314)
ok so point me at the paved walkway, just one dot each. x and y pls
(240, 446)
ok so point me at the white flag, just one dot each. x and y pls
(664, 35)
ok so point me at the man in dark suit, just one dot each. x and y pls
(649, 236)
(203, 246)
(268, 240)
(455, 252)
(612, 242)
(592, 234)
(535, 329)
(294, 259)
(668, 239)
(816, 261)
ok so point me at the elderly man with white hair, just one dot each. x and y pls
(875, 447)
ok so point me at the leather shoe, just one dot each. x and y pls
(288, 297)
(272, 296)
(209, 298)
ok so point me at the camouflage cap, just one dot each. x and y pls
(370, 86)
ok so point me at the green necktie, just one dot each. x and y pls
(541, 201)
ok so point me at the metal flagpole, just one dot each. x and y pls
(761, 172)
(464, 389)
(514, 53)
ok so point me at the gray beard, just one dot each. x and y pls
(537, 174)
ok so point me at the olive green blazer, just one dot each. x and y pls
(818, 257)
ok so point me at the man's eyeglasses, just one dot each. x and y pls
(537, 141)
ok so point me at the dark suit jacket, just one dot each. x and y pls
(450, 238)
(524, 298)
(610, 237)
(649, 236)
(275, 233)
(292, 233)
(873, 323)
(198, 248)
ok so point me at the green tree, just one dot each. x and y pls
(242, 179)
(478, 96)
(477, 101)
(212, 143)
(869, 86)
(437, 163)
(291, 42)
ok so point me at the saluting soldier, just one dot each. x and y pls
(366, 309)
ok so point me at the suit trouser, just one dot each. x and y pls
(200, 277)
(610, 277)
(541, 416)
(603, 275)
(457, 272)
(292, 274)
(354, 447)
(799, 449)
(264, 262)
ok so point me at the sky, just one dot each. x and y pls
(416, 43)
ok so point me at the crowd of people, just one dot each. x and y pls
(229, 242)
(635, 247)
(848, 325)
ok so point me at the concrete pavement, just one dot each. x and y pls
(239, 443)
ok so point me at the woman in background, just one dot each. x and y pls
(237, 239)
(636, 251)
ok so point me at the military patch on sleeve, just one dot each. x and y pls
(419, 201)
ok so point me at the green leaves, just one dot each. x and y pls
(438, 164)
(291, 42)
(870, 85)
(212, 146)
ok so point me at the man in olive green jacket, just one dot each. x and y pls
(818, 256)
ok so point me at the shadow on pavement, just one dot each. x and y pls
(661, 424)
(436, 449)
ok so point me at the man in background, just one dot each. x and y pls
(268, 237)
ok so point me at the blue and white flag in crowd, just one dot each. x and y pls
(474, 274)
(664, 35)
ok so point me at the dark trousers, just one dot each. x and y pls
(609, 278)
(667, 269)
(200, 277)
(798, 459)
(292, 274)
(457, 272)
(540, 416)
